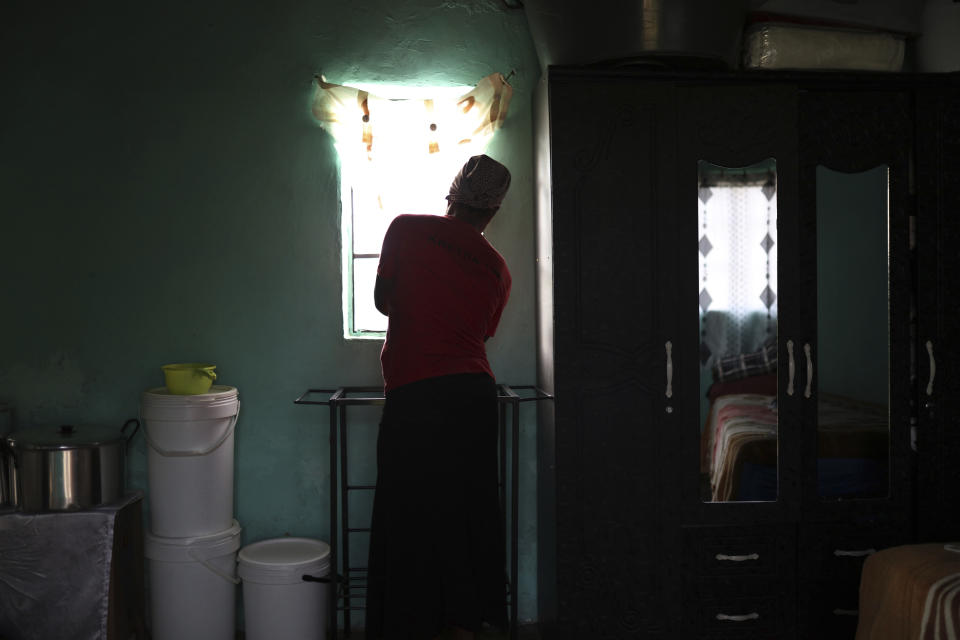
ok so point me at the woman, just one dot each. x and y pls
(436, 546)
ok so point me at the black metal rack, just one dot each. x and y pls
(349, 581)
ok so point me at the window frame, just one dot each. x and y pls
(349, 283)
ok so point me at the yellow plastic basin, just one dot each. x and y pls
(189, 378)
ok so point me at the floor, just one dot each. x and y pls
(526, 632)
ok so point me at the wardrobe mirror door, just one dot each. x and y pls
(737, 252)
(850, 368)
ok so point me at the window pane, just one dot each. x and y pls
(370, 221)
(423, 183)
(366, 317)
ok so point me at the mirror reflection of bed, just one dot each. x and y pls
(739, 440)
(739, 444)
(739, 340)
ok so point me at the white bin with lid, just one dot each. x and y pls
(278, 603)
(193, 585)
(190, 460)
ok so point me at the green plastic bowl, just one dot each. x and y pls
(189, 378)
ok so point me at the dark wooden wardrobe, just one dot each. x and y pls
(631, 544)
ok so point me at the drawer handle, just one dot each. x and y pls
(846, 612)
(933, 368)
(791, 367)
(751, 556)
(745, 617)
(841, 553)
(669, 348)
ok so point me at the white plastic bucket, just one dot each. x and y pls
(278, 603)
(193, 585)
(190, 460)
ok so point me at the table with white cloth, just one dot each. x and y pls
(74, 575)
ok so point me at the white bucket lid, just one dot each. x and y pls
(159, 404)
(193, 549)
(218, 393)
(284, 560)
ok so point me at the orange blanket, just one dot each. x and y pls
(911, 592)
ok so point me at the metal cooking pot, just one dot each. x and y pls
(67, 468)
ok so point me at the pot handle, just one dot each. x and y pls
(135, 429)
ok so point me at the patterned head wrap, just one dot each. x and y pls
(482, 183)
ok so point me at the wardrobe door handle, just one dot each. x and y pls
(791, 367)
(738, 618)
(859, 553)
(933, 368)
(806, 350)
(669, 348)
(751, 556)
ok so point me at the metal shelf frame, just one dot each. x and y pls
(348, 584)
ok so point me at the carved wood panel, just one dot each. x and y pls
(854, 130)
(938, 226)
(610, 431)
(738, 125)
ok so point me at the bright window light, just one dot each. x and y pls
(396, 181)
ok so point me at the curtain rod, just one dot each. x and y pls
(318, 77)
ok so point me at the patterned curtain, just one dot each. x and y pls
(738, 266)
(358, 120)
(436, 135)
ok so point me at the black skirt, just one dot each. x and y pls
(437, 552)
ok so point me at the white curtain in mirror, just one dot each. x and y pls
(738, 267)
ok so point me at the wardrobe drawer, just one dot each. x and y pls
(836, 553)
(829, 610)
(743, 616)
(760, 551)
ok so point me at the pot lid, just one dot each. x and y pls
(64, 437)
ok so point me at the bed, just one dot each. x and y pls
(911, 592)
(739, 444)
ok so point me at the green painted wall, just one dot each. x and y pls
(166, 196)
